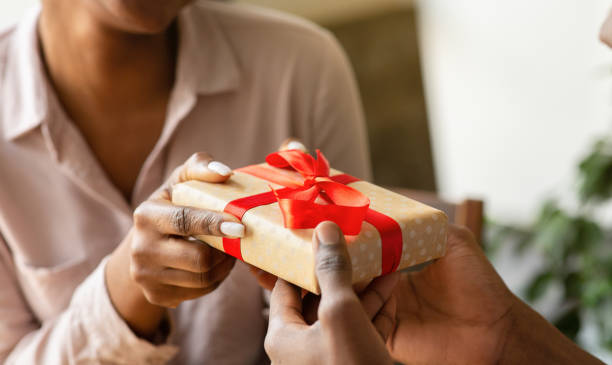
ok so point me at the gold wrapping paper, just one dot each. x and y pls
(288, 253)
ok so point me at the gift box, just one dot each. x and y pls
(282, 200)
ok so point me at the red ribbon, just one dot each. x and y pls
(313, 198)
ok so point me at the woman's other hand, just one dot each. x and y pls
(158, 264)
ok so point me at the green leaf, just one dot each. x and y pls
(603, 314)
(569, 323)
(554, 234)
(588, 236)
(596, 173)
(573, 285)
(596, 290)
(538, 285)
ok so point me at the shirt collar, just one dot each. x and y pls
(25, 91)
(206, 64)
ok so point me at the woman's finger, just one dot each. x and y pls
(204, 279)
(176, 253)
(293, 144)
(200, 166)
(377, 293)
(384, 321)
(170, 296)
(169, 219)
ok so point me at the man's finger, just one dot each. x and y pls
(374, 297)
(265, 279)
(288, 336)
(384, 322)
(332, 260)
(285, 304)
(170, 219)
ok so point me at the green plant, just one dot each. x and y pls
(576, 248)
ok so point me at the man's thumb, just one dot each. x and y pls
(333, 263)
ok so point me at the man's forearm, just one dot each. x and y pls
(533, 340)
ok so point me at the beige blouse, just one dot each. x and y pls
(247, 79)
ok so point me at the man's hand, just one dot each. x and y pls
(349, 329)
(459, 311)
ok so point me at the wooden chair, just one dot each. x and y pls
(468, 213)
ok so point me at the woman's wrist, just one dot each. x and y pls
(127, 297)
(531, 339)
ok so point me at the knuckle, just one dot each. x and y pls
(154, 297)
(272, 341)
(332, 260)
(180, 221)
(201, 258)
(335, 308)
(461, 236)
(138, 249)
(137, 273)
(461, 232)
(140, 215)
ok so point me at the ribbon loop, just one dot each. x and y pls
(319, 198)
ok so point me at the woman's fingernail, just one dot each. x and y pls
(232, 229)
(328, 234)
(220, 168)
(295, 145)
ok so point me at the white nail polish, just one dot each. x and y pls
(232, 229)
(220, 168)
(295, 145)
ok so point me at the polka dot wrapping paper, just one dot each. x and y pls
(288, 253)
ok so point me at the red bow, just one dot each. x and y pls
(316, 198)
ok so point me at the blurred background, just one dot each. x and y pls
(505, 102)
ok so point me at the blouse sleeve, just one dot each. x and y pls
(88, 331)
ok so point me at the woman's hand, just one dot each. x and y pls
(349, 329)
(158, 265)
